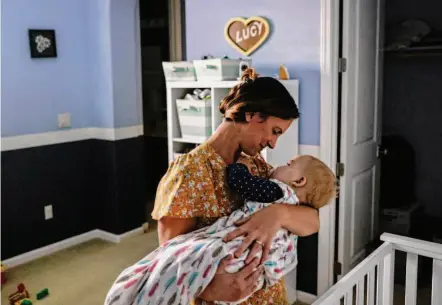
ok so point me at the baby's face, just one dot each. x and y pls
(313, 181)
(287, 173)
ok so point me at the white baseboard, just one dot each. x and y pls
(305, 297)
(70, 135)
(49, 249)
(114, 238)
(67, 243)
(110, 237)
(131, 233)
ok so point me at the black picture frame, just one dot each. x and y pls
(42, 43)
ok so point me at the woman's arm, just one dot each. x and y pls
(263, 225)
(170, 227)
(298, 219)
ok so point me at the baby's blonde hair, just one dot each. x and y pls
(321, 182)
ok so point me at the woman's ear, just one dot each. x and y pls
(249, 116)
(256, 117)
(300, 182)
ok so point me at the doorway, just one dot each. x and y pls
(160, 41)
(389, 99)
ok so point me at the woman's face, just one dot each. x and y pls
(259, 133)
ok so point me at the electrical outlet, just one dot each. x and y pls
(64, 120)
(48, 212)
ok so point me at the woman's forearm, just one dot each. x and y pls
(298, 219)
(170, 227)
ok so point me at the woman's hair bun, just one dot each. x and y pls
(249, 75)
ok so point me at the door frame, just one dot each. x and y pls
(329, 58)
(329, 103)
(176, 47)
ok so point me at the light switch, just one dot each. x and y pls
(64, 120)
(48, 212)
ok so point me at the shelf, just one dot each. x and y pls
(202, 84)
(193, 140)
(417, 50)
(208, 84)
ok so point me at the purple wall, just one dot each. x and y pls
(294, 42)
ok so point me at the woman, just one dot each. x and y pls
(193, 193)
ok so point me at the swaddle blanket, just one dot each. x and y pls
(182, 268)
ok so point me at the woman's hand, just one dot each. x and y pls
(259, 229)
(232, 287)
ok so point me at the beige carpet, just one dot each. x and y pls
(80, 275)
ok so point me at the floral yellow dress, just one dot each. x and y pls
(195, 187)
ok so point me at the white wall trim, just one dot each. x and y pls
(329, 54)
(291, 293)
(312, 150)
(70, 135)
(305, 297)
(68, 243)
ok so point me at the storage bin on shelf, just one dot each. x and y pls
(179, 71)
(194, 118)
(220, 69)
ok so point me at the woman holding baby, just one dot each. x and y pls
(194, 192)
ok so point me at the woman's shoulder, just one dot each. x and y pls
(196, 158)
(187, 181)
(196, 164)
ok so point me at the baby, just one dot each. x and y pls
(178, 271)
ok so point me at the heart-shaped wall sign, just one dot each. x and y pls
(246, 35)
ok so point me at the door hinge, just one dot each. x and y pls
(337, 268)
(342, 65)
(340, 169)
(381, 152)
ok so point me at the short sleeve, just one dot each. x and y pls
(186, 190)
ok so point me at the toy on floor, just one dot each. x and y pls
(42, 294)
(24, 302)
(3, 279)
(19, 295)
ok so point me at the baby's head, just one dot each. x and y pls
(313, 181)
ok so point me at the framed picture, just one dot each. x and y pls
(42, 43)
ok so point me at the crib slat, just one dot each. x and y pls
(349, 297)
(411, 280)
(381, 288)
(370, 291)
(360, 292)
(387, 296)
(436, 291)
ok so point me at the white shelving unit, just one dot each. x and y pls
(287, 145)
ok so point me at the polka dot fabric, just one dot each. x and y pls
(250, 187)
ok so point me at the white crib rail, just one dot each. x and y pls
(372, 281)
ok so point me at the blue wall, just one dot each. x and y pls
(294, 42)
(123, 27)
(93, 76)
(35, 91)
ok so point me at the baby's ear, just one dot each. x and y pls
(300, 182)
